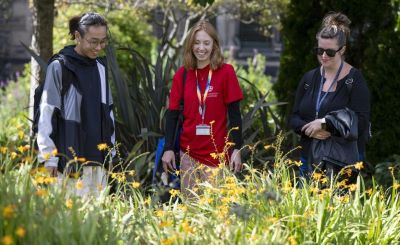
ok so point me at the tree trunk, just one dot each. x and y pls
(42, 42)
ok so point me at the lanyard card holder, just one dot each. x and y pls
(203, 129)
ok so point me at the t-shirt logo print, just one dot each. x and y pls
(212, 94)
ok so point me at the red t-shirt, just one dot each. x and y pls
(224, 89)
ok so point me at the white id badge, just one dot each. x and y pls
(203, 129)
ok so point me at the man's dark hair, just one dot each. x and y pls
(82, 23)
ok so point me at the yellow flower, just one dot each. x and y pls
(247, 177)
(42, 169)
(314, 190)
(21, 134)
(79, 159)
(292, 240)
(75, 175)
(214, 155)
(359, 165)
(347, 171)
(54, 152)
(317, 176)
(7, 240)
(342, 183)
(39, 180)
(352, 187)
(41, 192)
(298, 163)
(135, 184)
(3, 150)
(14, 155)
(177, 172)
(20, 232)
(160, 213)
(173, 192)
(102, 147)
(69, 203)
(147, 201)
(49, 180)
(46, 156)
(27, 159)
(344, 199)
(186, 227)
(79, 184)
(266, 147)
(369, 192)
(131, 172)
(287, 186)
(169, 240)
(8, 211)
(165, 224)
(21, 149)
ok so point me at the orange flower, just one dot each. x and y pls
(8, 211)
(7, 240)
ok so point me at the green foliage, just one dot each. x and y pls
(258, 106)
(13, 113)
(265, 207)
(127, 26)
(373, 48)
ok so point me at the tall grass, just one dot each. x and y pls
(259, 207)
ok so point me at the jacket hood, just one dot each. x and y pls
(75, 58)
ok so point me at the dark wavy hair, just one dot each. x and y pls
(83, 22)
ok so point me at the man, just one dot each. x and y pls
(76, 109)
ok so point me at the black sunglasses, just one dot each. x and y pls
(329, 52)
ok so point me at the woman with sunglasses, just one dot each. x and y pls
(326, 89)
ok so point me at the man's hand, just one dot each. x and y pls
(52, 171)
(235, 164)
(168, 161)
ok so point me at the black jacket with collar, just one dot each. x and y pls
(74, 120)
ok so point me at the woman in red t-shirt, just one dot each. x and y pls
(210, 92)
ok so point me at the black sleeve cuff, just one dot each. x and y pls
(235, 120)
(172, 118)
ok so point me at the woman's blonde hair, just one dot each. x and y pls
(216, 57)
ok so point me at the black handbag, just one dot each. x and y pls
(339, 150)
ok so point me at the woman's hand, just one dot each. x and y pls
(235, 164)
(313, 130)
(168, 161)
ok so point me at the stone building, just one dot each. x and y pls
(15, 27)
